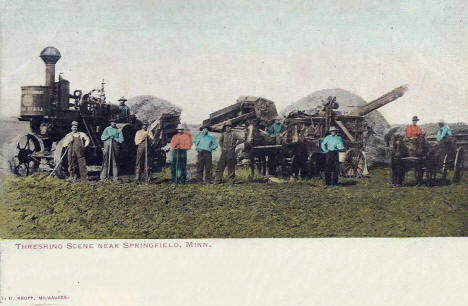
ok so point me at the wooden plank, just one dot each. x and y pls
(227, 109)
(345, 130)
(219, 125)
(268, 147)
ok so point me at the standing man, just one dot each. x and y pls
(413, 130)
(142, 140)
(180, 143)
(205, 144)
(111, 136)
(228, 143)
(76, 142)
(331, 145)
(444, 138)
(124, 110)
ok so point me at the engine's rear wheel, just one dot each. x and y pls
(24, 162)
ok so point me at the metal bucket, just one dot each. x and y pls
(341, 156)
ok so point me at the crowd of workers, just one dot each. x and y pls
(205, 145)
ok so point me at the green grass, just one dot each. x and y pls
(42, 207)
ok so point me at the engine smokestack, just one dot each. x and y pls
(50, 56)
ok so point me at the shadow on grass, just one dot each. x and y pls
(435, 183)
(348, 183)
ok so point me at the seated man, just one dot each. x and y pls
(413, 130)
(276, 128)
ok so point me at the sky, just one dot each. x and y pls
(202, 55)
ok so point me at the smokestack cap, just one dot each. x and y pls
(50, 55)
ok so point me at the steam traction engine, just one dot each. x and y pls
(50, 110)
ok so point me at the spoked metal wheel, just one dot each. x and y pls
(353, 164)
(458, 165)
(23, 161)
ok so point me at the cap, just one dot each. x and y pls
(74, 123)
(415, 118)
(332, 128)
(122, 99)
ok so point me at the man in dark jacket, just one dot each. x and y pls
(228, 143)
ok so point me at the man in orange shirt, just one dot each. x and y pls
(413, 130)
(180, 143)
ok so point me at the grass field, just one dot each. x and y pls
(42, 207)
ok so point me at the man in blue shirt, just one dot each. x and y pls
(443, 131)
(444, 138)
(205, 145)
(276, 128)
(331, 145)
(111, 137)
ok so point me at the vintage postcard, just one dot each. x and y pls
(155, 152)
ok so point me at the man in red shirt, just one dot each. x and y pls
(180, 143)
(413, 130)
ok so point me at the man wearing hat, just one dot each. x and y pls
(142, 140)
(205, 144)
(444, 138)
(124, 110)
(180, 143)
(228, 143)
(331, 145)
(413, 130)
(76, 142)
(111, 136)
(276, 128)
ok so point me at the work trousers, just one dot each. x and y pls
(76, 156)
(111, 151)
(228, 158)
(331, 168)
(446, 147)
(179, 166)
(204, 164)
(141, 158)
